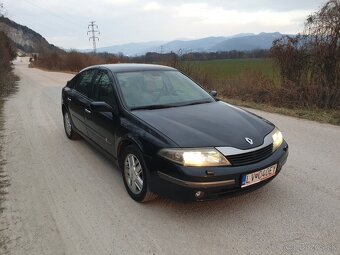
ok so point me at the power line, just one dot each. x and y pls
(55, 14)
(93, 32)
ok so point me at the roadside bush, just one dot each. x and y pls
(72, 61)
(310, 63)
(7, 54)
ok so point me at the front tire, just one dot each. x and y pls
(135, 175)
(68, 126)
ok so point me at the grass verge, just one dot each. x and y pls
(8, 86)
(323, 116)
(224, 69)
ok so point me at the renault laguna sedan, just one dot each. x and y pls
(168, 135)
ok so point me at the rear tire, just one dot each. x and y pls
(135, 175)
(68, 126)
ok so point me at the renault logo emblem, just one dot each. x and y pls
(250, 141)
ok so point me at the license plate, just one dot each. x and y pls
(258, 176)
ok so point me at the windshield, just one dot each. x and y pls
(159, 89)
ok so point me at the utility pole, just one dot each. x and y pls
(92, 30)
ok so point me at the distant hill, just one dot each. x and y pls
(24, 38)
(130, 49)
(246, 43)
(241, 42)
(198, 45)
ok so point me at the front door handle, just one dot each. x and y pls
(87, 111)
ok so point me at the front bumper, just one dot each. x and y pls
(182, 183)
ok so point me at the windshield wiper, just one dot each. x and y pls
(152, 107)
(161, 106)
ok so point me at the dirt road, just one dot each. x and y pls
(66, 198)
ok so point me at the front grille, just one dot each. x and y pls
(250, 157)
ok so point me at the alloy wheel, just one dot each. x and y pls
(133, 174)
(67, 123)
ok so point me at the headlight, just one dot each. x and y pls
(195, 157)
(277, 138)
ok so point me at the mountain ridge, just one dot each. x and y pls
(259, 41)
(241, 42)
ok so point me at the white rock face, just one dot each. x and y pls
(18, 36)
(25, 39)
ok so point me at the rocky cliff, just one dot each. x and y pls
(25, 39)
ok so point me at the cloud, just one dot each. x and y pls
(152, 6)
(251, 5)
(207, 14)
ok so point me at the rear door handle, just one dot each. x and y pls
(69, 99)
(87, 111)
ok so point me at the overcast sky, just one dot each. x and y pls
(64, 22)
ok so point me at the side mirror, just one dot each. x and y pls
(213, 93)
(100, 107)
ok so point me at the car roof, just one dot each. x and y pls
(132, 67)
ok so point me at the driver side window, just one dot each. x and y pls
(104, 89)
(84, 85)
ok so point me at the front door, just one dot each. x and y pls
(102, 125)
(79, 99)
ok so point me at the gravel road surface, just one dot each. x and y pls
(66, 198)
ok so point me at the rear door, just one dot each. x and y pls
(102, 125)
(79, 99)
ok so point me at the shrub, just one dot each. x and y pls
(73, 61)
(7, 54)
(310, 63)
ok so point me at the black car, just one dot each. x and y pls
(168, 135)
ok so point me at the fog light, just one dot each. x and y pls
(199, 194)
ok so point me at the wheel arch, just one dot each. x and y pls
(127, 141)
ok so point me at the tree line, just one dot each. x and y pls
(199, 56)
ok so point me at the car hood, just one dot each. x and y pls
(208, 125)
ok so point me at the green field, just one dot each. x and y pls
(231, 68)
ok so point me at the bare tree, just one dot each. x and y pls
(310, 62)
(323, 28)
(326, 21)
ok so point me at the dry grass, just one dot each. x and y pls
(72, 61)
(7, 87)
(322, 116)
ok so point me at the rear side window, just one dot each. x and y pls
(104, 90)
(84, 84)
